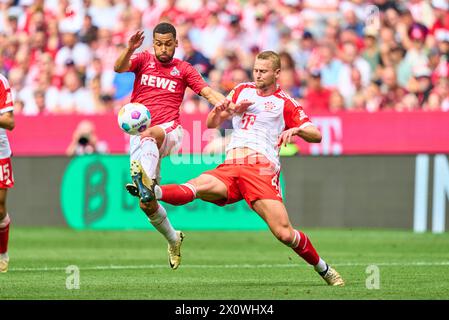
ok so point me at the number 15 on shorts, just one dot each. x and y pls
(6, 176)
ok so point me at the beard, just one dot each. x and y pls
(263, 84)
(164, 58)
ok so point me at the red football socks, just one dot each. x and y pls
(305, 249)
(176, 194)
(4, 237)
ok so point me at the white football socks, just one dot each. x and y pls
(321, 266)
(149, 157)
(160, 221)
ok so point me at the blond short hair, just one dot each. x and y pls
(270, 55)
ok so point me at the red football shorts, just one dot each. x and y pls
(249, 178)
(6, 176)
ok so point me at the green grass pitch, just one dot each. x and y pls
(223, 265)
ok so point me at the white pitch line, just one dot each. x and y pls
(236, 266)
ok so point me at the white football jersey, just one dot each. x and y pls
(6, 104)
(260, 126)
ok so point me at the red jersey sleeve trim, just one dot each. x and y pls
(5, 94)
(234, 94)
(294, 115)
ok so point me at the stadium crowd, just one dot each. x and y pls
(336, 54)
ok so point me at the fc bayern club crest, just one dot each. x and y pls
(269, 105)
(175, 72)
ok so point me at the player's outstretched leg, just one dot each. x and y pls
(4, 237)
(276, 216)
(302, 245)
(157, 215)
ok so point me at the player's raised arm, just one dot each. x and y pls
(214, 97)
(298, 124)
(309, 133)
(122, 64)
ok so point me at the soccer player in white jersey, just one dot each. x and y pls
(6, 176)
(160, 84)
(251, 169)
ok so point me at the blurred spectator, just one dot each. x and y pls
(73, 97)
(373, 97)
(330, 67)
(212, 37)
(441, 24)
(422, 12)
(264, 35)
(89, 31)
(416, 53)
(289, 79)
(316, 13)
(336, 101)
(232, 63)
(392, 92)
(196, 58)
(408, 103)
(352, 60)
(371, 50)
(85, 140)
(350, 21)
(74, 52)
(307, 45)
(292, 17)
(421, 84)
(172, 13)
(316, 97)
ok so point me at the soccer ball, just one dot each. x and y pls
(133, 118)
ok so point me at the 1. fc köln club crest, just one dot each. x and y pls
(175, 72)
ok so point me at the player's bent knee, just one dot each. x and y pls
(149, 207)
(284, 235)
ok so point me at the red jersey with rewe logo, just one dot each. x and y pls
(161, 86)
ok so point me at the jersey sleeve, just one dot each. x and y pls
(233, 95)
(193, 79)
(294, 115)
(137, 60)
(6, 103)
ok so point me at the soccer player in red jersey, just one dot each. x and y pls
(252, 167)
(6, 176)
(160, 83)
